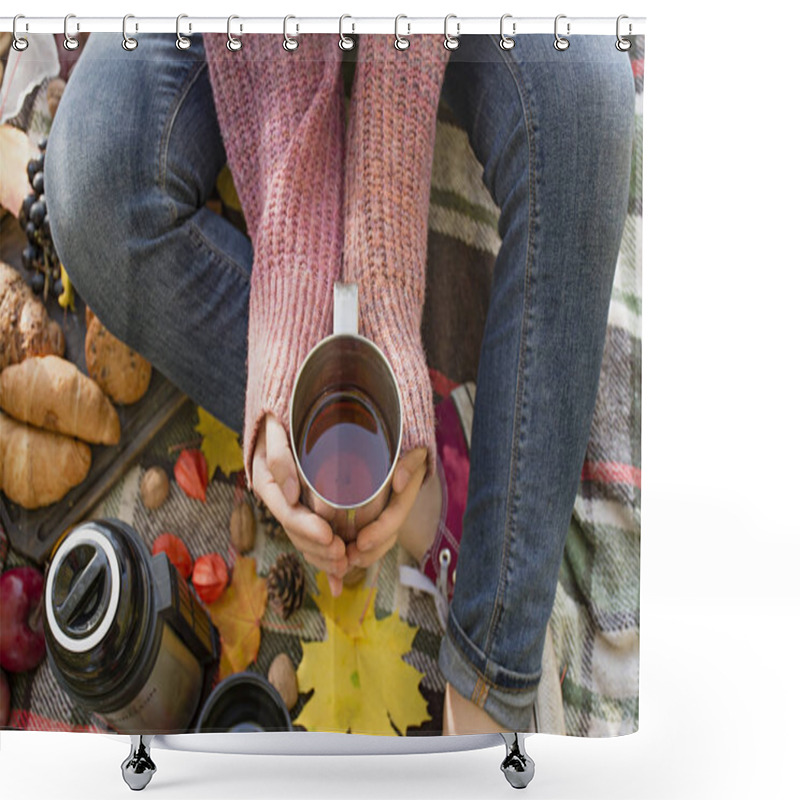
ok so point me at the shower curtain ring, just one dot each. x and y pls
(233, 44)
(20, 43)
(400, 42)
(451, 42)
(69, 42)
(290, 43)
(128, 42)
(181, 42)
(506, 42)
(345, 42)
(561, 43)
(622, 44)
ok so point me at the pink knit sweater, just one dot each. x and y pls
(321, 206)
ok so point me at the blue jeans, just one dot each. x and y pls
(554, 132)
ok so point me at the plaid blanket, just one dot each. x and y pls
(590, 675)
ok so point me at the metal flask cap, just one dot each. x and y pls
(83, 590)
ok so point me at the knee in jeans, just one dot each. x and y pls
(97, 217)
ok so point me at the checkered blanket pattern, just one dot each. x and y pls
(591, 661)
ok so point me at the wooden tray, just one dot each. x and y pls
(34, 533)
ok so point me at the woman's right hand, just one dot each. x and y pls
(275, 481)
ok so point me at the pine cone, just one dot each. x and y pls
(286, 583)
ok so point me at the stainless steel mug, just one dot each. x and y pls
(346, 374)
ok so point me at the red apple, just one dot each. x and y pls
(22, 644)
(5, 700)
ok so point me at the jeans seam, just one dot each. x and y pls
(201, 239)
(483, 680)
(172, 114)
(512, 481)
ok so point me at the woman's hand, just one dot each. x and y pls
(377, 538)
(275, 481)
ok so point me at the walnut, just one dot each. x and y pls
(154, 487)
(284, 678)
(243, 527)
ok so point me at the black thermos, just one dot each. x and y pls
(126, 637)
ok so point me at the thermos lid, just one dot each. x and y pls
(83, 589)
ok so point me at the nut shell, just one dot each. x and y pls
(243, 527)
(283, 677)
(154, 487)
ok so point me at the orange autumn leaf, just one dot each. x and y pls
(237, 615)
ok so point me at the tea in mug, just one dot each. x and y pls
(344, 447)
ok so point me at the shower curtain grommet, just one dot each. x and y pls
(451, 42)
(181, 42)
(69, 42)
(128, 42)
(233, 44)
(506, 42)
(19, 43)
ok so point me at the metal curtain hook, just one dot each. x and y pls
(69, 42)
(506, 42)
(290, 43)
(560, 42)
(233, 44)
(623, 44)
(400, 42)
(20, 43)
(345, 42)
(451, 42)
(181, 42)
(128, 42)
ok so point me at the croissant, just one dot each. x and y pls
(38, 467)
(53, 393)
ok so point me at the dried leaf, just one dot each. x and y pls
(361, 683)
(220, 444)
(237, 615)
(191, 473)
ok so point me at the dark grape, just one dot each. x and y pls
(43, 144)
(29, 257)
(30, 232)
(37, 283)
(46, 225)
(37, 213)
(58, 287)
(38, 182)
(33, 168)
(25, 210)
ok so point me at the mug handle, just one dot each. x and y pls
(345, 308)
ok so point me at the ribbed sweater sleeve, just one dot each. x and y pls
(282, 121)
(388, 157)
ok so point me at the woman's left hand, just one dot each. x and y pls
(377, 538)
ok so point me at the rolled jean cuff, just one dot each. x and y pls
(508, 697)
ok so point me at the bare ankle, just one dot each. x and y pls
(461, 716)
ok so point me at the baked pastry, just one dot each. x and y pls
(118, 369)
(25, 328)
(52, 393)
(39, 467)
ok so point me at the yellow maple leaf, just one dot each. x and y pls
(237, 615)
(361, 683)
(220, 444)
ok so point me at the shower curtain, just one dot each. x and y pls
(174, 222)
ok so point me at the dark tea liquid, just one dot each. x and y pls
(344, 447)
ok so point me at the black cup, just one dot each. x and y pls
(244, 702)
